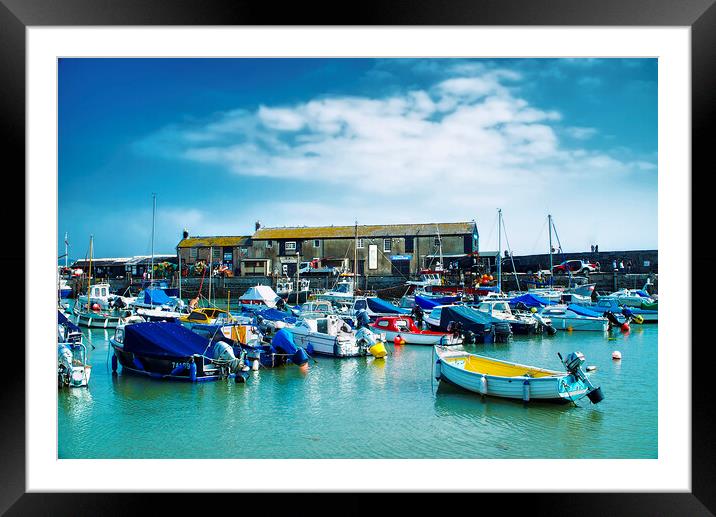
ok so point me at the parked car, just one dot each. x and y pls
(575, 267)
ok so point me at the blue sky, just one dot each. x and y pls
(226, 142)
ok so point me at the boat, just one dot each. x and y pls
(630, 297)
(331, 335)
(166, 350)
(500, 310)
(504, 379)
(259, 297)
(206, 316)
(405, 328)
(99, 319)
(99, 295)
(641, 314)
(64, 289)
(284, 289)
(342, 292)
(575, 317)
(73, 369)
(473, 326)
(373, 305)
(315, 308)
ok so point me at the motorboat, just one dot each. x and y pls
(99, 318)
(472, 325)
(73, 369)
(206, 316)
(285, 289)
(99, 294)
(331, 335)
(167, 350)
(575, 317)
(64, 289)
(630, 297)
(259, 297)
(504, 379)
(342, 292)
(404, 327)
(500, 310)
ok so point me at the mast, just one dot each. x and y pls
(499, 250)
(151, 267)
(179, 258)
(440, 249)
(355, 259)
(298, 277)
(89, 275)
(66, 249)
(211, 270)
(549, 223)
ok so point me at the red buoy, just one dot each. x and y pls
(398, 340)
(95, 307)
(625, 327)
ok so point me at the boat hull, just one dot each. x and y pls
(97, 321)
(586, 324)
(324, 344)
(412, 338)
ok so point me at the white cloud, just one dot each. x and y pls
(465, 143)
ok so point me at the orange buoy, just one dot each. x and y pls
(398, 340)
(402, 341)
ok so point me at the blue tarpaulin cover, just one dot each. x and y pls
(583, 311)
(61, 318)
(431, 303)
(283, 342)
(381, 306)
(276, 315)
(163, 340)
(156, 297)
(530, 300)
(470, 319)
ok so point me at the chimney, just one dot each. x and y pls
(185, 233)
(257, 224)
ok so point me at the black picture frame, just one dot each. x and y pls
(699, 15)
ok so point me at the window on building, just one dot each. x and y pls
(408, 245)
(291, 246)
(216, 253)
(359, 244)
(269, 244)
(192, 252)
(437, 241)
(387, 245)
(316, 243)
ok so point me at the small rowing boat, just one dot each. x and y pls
(497, 378)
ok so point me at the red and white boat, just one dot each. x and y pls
(404, 326)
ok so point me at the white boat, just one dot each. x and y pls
(497, 378)
(432, 318)
(500, 310)
(630, 297)
(99, 294)
(73, 369)
(553, 295)
(342, 292)
(329, 335)
(574, 317)
(259, 295)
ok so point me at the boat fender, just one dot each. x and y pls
(138, 364)
(437, 369)
(114, 363)
(192, 370)
(299, 357)
(483, 385)
(526, 391)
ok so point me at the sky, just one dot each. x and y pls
(227, 142)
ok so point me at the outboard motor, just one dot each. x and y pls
(573, 363)
(613, 320)
(468, 337)
(544, 325)
(503, 332)
(64, 364)
(224, 352)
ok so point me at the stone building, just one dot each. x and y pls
(380, 250)
(227, 251)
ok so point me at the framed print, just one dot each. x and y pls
(258, 219)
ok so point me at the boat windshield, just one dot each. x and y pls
(342, 288)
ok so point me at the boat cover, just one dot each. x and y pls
(650, 306)
(163, 340)
(276, 315)
(260, 293)
(430, 303)
(62, 320)
(156, 297)
(383, 307)
(583, 311)
(470, 319)
(530, 300)
(283, 342)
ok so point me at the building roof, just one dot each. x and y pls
(205, 242)
(122, 261)
(378, 230)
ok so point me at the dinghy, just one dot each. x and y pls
(497, 378)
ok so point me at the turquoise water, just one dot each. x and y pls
(368, 408)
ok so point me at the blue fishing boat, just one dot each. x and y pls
(167, 350)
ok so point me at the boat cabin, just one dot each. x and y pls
(396, 324)
(331, 325)
(206, 315)
(99, 291)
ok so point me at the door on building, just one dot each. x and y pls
(400, 267)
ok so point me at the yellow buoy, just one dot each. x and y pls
(378, 350)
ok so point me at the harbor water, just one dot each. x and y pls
(368, 408)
